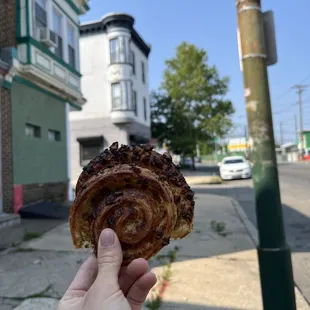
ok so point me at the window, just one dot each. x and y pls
(57, 27)
(133, 62)
(233, 161)
(32, 131)
(90, 147)
(54, 135)
(122, 49)
(116, 96)
(119, 50)
(113, 51)
(143, 71)
(71, 45)
(134, 102)
(40, 14)
(145, 108)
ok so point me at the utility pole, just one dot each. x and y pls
(281, 134)
(296, 128)
(300, 90)
(246, 142)
(273, 252)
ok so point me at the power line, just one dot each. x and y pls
(291, 88)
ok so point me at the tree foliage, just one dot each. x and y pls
(190, 106)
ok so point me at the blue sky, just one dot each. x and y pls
(212, 25)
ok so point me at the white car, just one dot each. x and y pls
(235, 167)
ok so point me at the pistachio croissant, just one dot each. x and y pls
(137, 192)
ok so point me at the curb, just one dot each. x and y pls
(253, 234)
(250, 228)
(203, 180)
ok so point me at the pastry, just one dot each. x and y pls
(138, 193)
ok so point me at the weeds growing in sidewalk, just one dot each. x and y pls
(31, 235)
(24, 250)
(219, 228)
(157, 293)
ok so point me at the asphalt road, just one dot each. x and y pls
(295, 197)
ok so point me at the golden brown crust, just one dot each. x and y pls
(138, 193)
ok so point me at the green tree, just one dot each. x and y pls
(190, 106)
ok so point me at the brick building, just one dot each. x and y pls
(39, 86)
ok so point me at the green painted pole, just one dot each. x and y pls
(274, 255)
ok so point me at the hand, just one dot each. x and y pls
(102, 284)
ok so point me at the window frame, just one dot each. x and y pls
(120, 52)
(73, 46)
(37, 132)
(95, 142)
(120, 97)
(114, 60)
(43, 24)
(57, 135)
(133, 62)
(143, 71)
(134, 102)
(60, 36)
(145, 108)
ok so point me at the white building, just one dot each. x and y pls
(114, 66)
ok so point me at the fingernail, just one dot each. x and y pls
(107, 238)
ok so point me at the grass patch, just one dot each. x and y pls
(163, 281)
(219, 228)
(31, 235)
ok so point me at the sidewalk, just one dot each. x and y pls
(213, 271)
(216, 268)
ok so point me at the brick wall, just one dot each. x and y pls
(7, 23)
(7, 169)
(7, 39)
(55, 192)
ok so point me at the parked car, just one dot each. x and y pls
(235, 167)
(197, 159)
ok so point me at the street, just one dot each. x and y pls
(295, 194)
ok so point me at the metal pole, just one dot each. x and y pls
(300, 89)
(273, 252)
(281, 134)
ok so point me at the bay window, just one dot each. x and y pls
(119, 50)
(116, 96)
(113, 51)
(122, 96)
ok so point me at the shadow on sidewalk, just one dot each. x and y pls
(297, 225)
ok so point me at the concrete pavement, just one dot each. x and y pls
(295, 196)
(212, 271)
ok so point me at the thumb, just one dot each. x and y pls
(109, 258)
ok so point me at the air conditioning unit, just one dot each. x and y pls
(47, 36)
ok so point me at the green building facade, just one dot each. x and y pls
(40, 85)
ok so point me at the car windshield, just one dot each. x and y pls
(233, 161)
